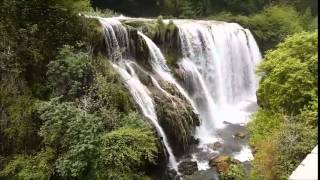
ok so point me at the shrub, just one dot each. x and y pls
(289, 74)
(70, 74)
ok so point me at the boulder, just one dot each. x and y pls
(215, 145)
(188, 167)
(195, 140)
(222, 163)
(240, 135)
(171, 174)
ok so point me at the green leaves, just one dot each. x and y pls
(126, 149)
(286, 125)
(289, 78)
(30, 167)
(71, 131)
(70, 74)
(84, 145)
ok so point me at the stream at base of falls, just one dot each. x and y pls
(218, 62)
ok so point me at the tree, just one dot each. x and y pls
(290, 74)
(289, 101)
(71, 74)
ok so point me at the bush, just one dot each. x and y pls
(30, 167)
(235, 172)
(284, 130)
(125, 151)
(293, 142)
(262, 126)
(73, 133)
(70, 74)
(290, 74)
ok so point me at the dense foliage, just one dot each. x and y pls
(284, 129)
(65, 113)
(196, 8)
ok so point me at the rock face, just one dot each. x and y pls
(171, 174)
(240, 135)
(176, 117)
(222, 163)
(188, 167)
(215, 145)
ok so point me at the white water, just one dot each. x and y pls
(116, 38)
(219, 60)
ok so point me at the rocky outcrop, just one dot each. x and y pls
(188, 167)
(165, 35)
(176, 117)
(138, 48)
(215, 146)
(222, 163)
(240, 135)
(142, 74)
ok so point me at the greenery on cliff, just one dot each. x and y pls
(64, 111)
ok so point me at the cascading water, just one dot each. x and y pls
(225, 56)
(158, 64)
(117, 38)
(143, 98)
(219, 60)
(218, 63)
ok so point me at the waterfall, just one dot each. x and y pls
(143, 98)
(218, 65)
(219, 59)
(159, 65)
(116, 37)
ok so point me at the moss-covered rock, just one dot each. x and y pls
(96, 36)
(176, 116)
(138, 48)
(165, 35)
(222, 163)
(142, 74)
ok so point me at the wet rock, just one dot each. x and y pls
(179, 73)
(240, 135)
(226, 122)
(215, 145)
(172, 174)
(222, 163)
(176, 117)
(143, 76)
(188, 167)
(195, 140)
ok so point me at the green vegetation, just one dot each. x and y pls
(235, 172)
(65, 113)
(284, 129)
(197, 8)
